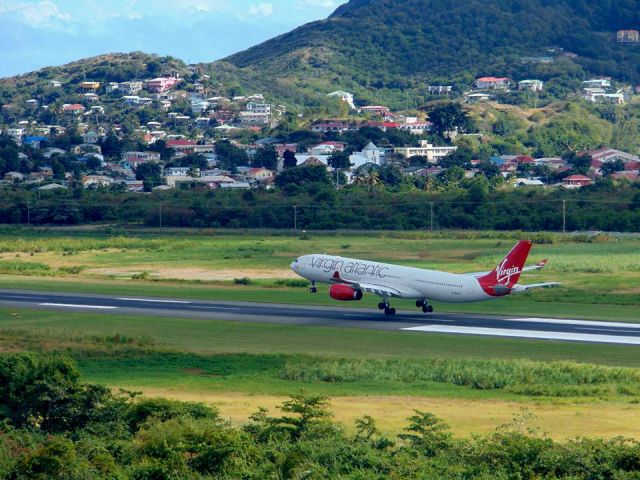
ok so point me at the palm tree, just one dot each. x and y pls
(370, 179)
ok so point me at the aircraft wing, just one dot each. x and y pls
(524, 288)
(382, 290)
(537, 266)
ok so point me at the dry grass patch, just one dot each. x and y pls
(561, 420)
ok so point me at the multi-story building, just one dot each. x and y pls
(162, 84)
(90, 86)
(432, 153)
(533, 85)
(494, 83)
(628, 36)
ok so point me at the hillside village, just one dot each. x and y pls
(166, 132)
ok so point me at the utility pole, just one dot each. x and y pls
(28, 213)
(564, 217)
(160, 215)
(295, 218)
(431, 223)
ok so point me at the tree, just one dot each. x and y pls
(611, 167)
(290, 160)
(339, 160)
(461, 157)
(266, 158)
(449, 117)
(428, 433)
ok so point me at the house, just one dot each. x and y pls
(477, 97)
(32, 103)
(91, 137)
(576, 181)
(162, 84)
(55, 84)
(327, 148)
(375, 110)
(630, 175)
(16, 133)
(181, 172)
(34, 141)
(628, 36)
(136, 158)
(90, 86)
(431, 152)
(258, 107)
(597, 83)
(610, 155)
(96, 180)
(532, 85)
(440, 89)
(492, 83)
(283, 147)
(259, 175)
(13, 176)
(336, 127)
(91, 97)
(417, 128)
(526, 182)
(253, 119)
(52, 187)
(73, 109)
(346, 97)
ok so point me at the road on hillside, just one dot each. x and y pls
(575, 330)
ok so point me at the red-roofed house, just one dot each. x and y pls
(525, 159)
(484, 83)
(632, 176)
(259, 175)
(376, 109)
(576, 181)
(337, 127)
(73, 109)
(283, 147)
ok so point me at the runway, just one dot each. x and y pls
(575, 330)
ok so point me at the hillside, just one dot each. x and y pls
(384, 48)
(116, 67)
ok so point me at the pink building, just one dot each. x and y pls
(574, 181)
(162, 84)
(492, 82)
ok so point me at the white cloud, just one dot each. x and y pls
(261, 9)
(44, 13)
(317, 4)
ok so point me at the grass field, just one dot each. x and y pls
(240, 366)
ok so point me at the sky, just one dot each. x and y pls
(39, 33)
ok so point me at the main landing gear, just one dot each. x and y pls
(426, 308)
(387, 308)
(313, 288)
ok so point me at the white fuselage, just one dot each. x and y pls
(410, 282)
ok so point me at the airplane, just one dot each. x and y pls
(350, 278)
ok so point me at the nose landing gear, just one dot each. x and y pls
(313, 288)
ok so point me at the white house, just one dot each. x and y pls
(432, 153)
(346, 97)
(533, 85)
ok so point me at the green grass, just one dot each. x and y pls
(224, 337)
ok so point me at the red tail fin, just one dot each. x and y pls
(501, 280)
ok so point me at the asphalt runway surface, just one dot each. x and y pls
(575, 330)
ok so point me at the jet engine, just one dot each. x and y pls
(345, 293)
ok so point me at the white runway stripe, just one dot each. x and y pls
(149, 300)
(503, 332)
(563, 321)
(69, 305)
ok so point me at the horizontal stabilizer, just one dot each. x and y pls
(524, 288)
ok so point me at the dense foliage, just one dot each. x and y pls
(384, 49)
(158, 439)
(457, 203)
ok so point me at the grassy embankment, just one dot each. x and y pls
(600, 278)
(474, 383)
